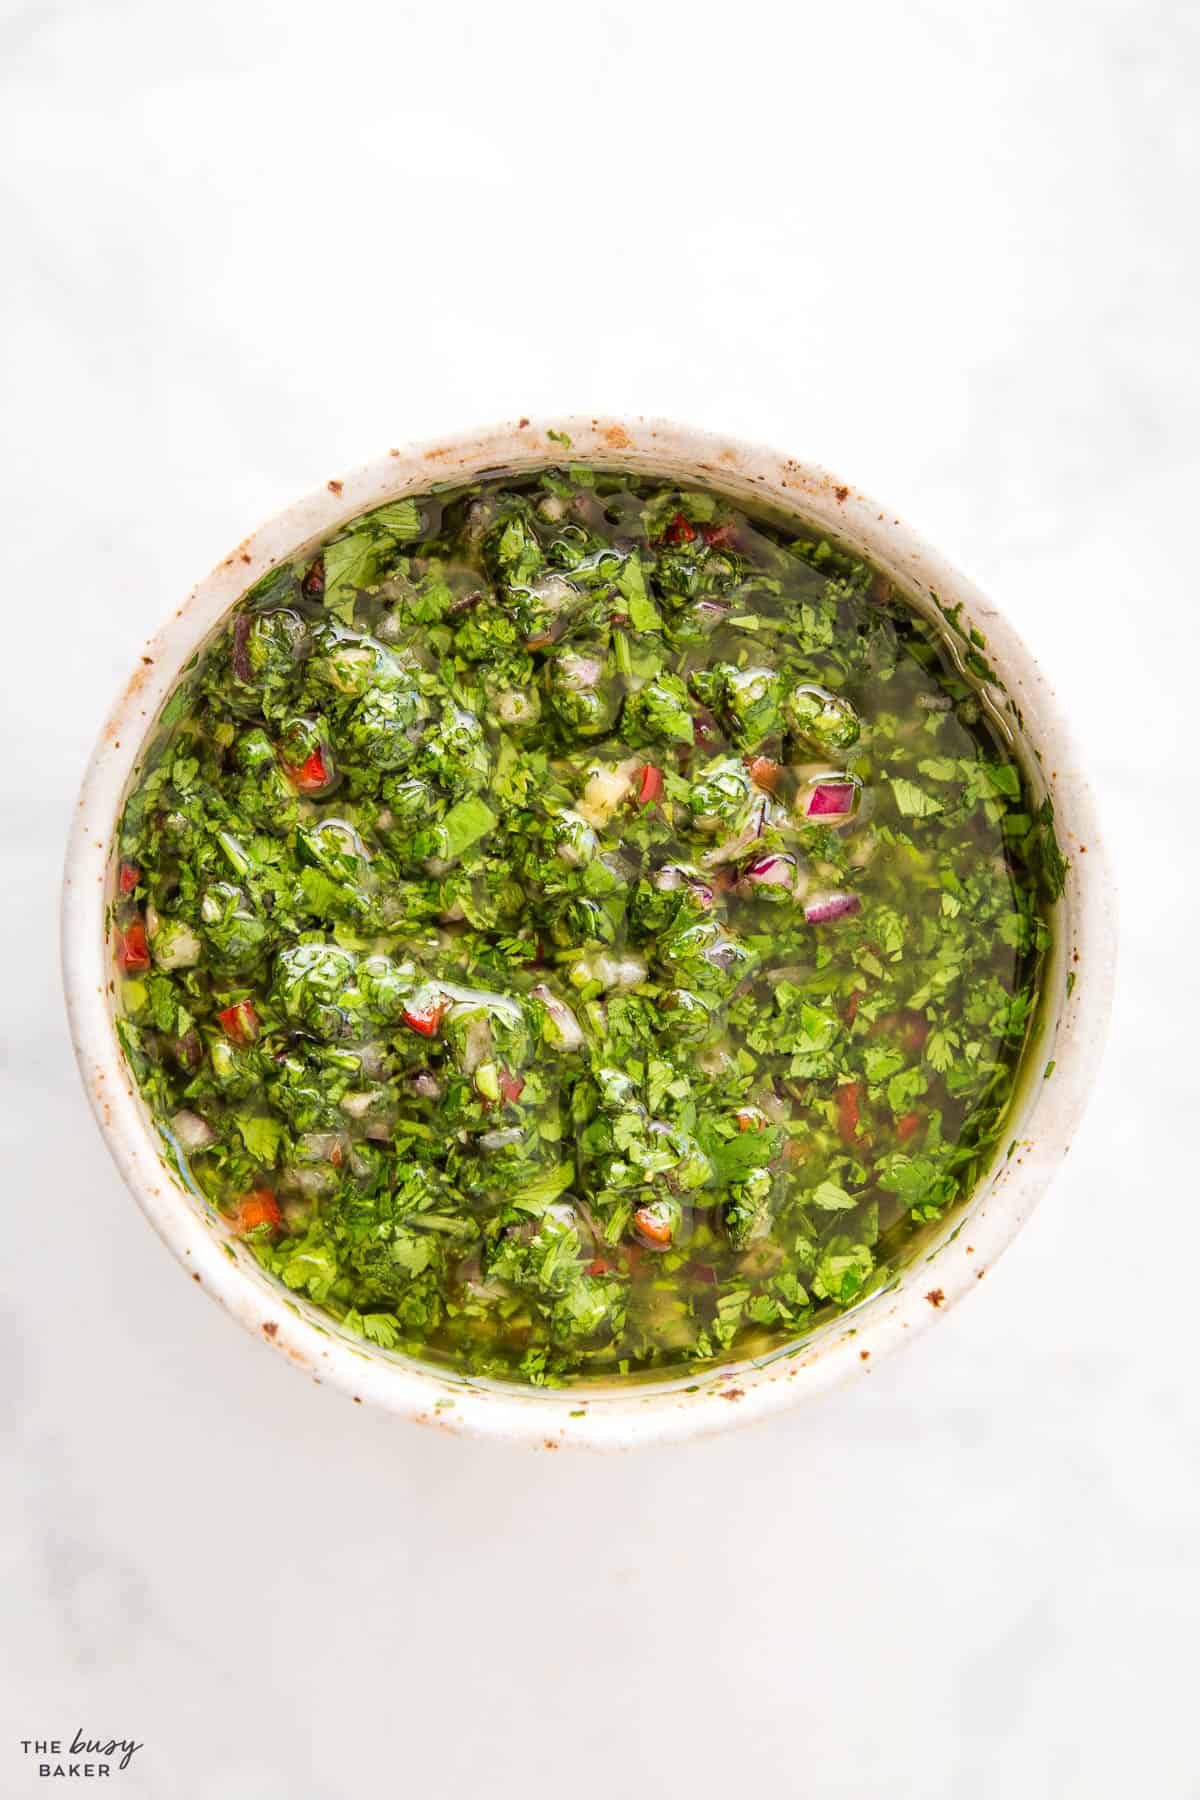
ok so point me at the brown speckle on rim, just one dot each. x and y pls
(335, 487)
(979, 1274)
(521, 424)
(390, 453)
(970, 1249)
(135, 683)
(840, 494)
(732, 1393)
(864, 1356)
(935, 1296)
(245, 558)
(269, 1327)
(357, 1398)
(617, 437)
(196, 1275)
(549, 1443)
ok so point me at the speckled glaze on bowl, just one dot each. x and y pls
(1045, 1114)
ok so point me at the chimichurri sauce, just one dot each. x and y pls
(574, 926)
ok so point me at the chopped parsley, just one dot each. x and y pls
(571, 926)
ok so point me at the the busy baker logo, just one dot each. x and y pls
(82, 1758)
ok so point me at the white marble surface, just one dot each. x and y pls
(948, 250)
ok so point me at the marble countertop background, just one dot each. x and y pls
(952, 253)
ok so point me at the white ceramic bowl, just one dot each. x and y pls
(965, 1246)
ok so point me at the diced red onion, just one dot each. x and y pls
(567, 1027)
(312, 1180)
(193, 1132)
(830, 800)
(704, 726)
(477, 1044)
(581, 672)
(670, 878)
(825, 910)
(240, 657)
(358, 1104)
(501, 1140)
(772, 871)
(618, 972)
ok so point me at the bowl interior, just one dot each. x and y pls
(950, 1256)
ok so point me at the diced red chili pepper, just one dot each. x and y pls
(132, 954)
(910, 1029)
(314, 582)
(847, 1109)
(650, 786)
(750, 1118)
(425, 1019)
(259, 1208)
(679, 531)
(718, 536)
(597, 1266)
(239, 1022)
(655, 1229)
(512, 1087)
(907, 1126)
(129, 877)
(765, 772)
(309, 775)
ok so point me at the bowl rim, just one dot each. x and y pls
(616, 1416)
